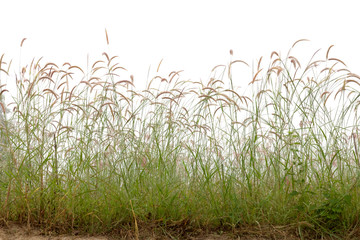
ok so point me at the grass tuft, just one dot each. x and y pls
(85, 150)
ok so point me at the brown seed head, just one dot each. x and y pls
(107, 37)
(22, 41)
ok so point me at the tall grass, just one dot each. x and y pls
(86, 150)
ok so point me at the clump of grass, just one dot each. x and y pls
(93, 153)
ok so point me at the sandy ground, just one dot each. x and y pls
(21, 233)
(18, 233)
(15, 232)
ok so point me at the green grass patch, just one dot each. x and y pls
(87, 150)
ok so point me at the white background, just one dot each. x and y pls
(190, 35)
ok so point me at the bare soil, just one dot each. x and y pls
(17, 232)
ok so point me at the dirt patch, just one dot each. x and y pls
(17, 232)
